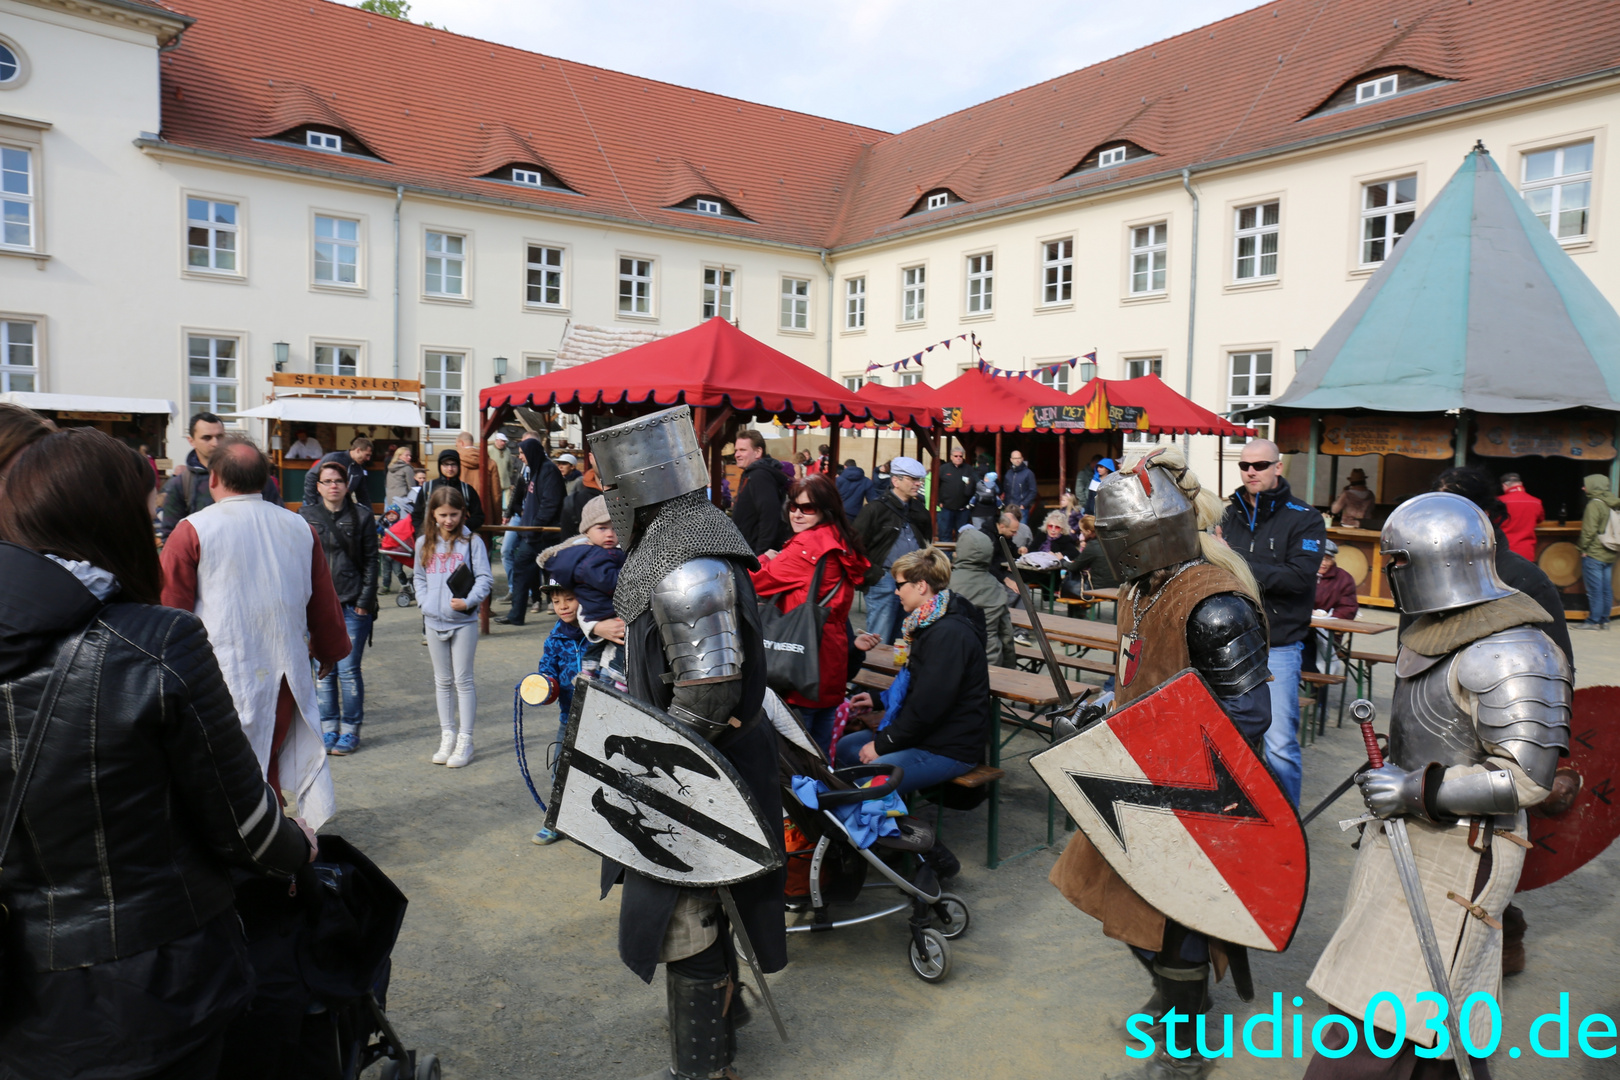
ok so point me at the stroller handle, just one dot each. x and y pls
(855, 773)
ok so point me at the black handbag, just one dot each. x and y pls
(793, 638)
(461, 581)
(25, 768)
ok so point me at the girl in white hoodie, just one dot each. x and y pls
(444, 547)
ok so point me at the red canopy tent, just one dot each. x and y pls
(1168, 413)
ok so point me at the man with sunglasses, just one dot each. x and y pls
(1281, 538)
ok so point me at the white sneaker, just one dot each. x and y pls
(447, 743)
(463, 754)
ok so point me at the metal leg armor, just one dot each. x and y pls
(701, 1042)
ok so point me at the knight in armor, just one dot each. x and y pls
(694, 649)
(1480, 719)
(1186, 601)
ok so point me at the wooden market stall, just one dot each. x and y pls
(138, 422)
(1479, 341)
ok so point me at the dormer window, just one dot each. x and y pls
(709, 206)
(326, 139)
(532, 177)
(938, 199)
(1114, 155)
(1374, 89)
(1110, 155)
(323, 140)
(527, 174)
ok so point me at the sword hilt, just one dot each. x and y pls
(1363, 713)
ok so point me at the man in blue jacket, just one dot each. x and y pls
(853, 488)
(536, 499)
(1281, 539)
(1019, 484)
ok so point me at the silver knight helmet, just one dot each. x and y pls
(1145, 521)
(646, 461)
(1441, 554)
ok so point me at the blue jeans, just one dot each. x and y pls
(1282, 737)
(922, 769)
(819, 722)
(1598, 576)
(950, 523)
(508, 555)
(883, 609)
(342, 694)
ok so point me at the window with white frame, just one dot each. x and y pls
(717, 292)
(337, 250)
(1250, 385)
(19, 356)
(1114, 155)
(1057, 271)
(1255, 236)
(1388, 208)
(910, 378)
(337, 360)
(544, 269)
(531, 177)
(16, 197)
(635, 286)
(212, 373)
(10, 65)
(795, 303)
(913, 293)
(1373, 89)
(445, 269)
(981, 283)
(323, 140)
(939, 199)
(854, 382)
(1135, 368)
(1558, 186)
(1056, 376)
(1150, 252)
(855, 304)
(442, 389)
(538, 365)
(211, 235)
(709, 206)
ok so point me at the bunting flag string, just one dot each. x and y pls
(1005, 373)
(917, 358)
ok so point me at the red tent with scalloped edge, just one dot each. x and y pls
(711, 365)
(1168, 413)
(990, 404)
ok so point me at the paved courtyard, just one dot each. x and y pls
(506, 965)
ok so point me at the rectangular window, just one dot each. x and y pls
(709, 206)
(913, 293)
(544, 287)
(1057, 271)
(1250, 385)
(981, 281)
(854, 382)
(1114, 155)
(210, 235)
(795, 303)
(1377, 88)
(910, 378)
(1056, 376)
(1134, 369)
(337, 250)
(320, 140)
(441, 386)
(716, 292)
(939, 199)
(1256, 232)
(19, 357)
(635, 286)
(527, 176)
(16, 197)
(337, 360)
(1149, 253)
(538, 365)
(855, 304)
(1388, 208)
(446, 264)
(1558, 186)
(212, 373)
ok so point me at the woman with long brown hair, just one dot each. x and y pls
(452, 578)
(139, 790)
(820, 527)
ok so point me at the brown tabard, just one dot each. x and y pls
(1081, 874)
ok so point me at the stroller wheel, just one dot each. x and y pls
(930, 955)
(952, 914)
(404, 598)
(428, 1068)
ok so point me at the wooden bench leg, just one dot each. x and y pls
(992, 839)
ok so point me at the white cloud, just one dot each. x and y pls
(890, 64)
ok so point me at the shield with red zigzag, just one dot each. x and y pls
(1583, 832)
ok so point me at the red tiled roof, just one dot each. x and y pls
(440, 109)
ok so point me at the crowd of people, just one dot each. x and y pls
(186, 777)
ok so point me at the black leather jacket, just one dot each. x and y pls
(146, 790)
(349, 539)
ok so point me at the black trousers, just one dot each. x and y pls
(525, 575)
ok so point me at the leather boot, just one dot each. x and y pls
(699, 1044)
(1513, 928)
(1186, 990)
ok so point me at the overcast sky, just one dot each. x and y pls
(889, 64)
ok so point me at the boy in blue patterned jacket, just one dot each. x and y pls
(560, 661)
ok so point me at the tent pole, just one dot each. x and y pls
(874, 452)
(832, 447)
(1310, 461)
(1614, 465)
(1220, 465)
(1063, 465)
(996, 465)
(933, 482)
(1460, 456)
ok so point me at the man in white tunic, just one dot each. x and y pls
(255, 574)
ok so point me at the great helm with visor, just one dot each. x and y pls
(1440, 554)
(1145, 521)
(646, 461)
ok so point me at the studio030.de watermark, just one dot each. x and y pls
(1382, 1027)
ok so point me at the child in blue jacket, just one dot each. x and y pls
(560, 661)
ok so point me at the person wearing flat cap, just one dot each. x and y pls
(889, 526)
(1355, 503)
(450, 476)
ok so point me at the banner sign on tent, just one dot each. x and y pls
(1349, 436)
(1588, 439)
(1085, 418)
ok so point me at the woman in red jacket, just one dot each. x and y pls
(816, 515)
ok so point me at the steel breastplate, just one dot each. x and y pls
(1427, 724)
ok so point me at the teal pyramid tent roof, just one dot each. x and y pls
(1478, 308)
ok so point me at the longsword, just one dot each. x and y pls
(1065, 698)
(746, 947)
(1400, 845)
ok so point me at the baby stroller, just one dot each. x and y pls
(398, 542)
(826, 866)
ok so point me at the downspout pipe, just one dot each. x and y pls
(399, 197)
(831, 300)
(1192, 298)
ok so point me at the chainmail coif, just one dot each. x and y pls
(686, 527)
